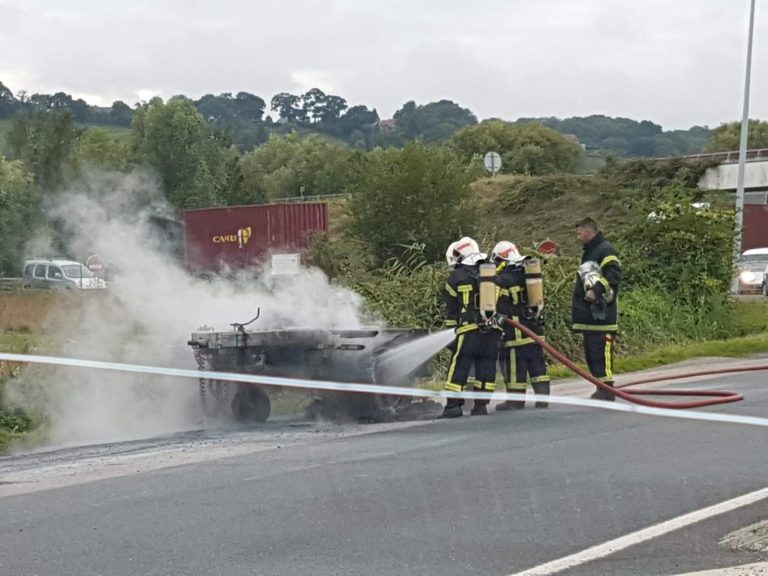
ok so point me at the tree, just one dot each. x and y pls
(415, 195)
(82, 112)
(726, 137)
(287, 163)
(525, 148)
(19, 207)
(357, 118)
(625, 136)
(120, 113)
(313, 104)
(45, 141)
(190, 158)
(288, 106)
(334, 106)
(249, 107)
(8, 104)
(216, 108)
(97, 147)
(433, 122)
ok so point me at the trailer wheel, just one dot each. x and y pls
(251, 404)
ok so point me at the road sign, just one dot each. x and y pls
(492, 162)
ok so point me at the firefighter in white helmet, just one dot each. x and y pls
(520, 356)
(476, 341)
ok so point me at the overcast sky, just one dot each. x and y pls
(675, 62)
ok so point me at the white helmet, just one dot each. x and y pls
(474, 259)
(451, 258)
(464, 248)
(506, 252)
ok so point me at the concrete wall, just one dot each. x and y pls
(724, 176)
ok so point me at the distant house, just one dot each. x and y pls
(388, 124)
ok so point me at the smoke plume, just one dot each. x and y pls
(147, 314)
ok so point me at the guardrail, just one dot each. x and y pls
(307, 198)
(10, 284)
(729, 157)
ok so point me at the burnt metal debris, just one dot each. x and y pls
(338, 355)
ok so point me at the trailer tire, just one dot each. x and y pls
(250, 405)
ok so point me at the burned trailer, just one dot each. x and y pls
(345, 356)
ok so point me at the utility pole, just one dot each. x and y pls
(743, 140)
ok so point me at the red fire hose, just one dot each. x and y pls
(712, 396)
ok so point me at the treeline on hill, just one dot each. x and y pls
(198, 165)
(247, 121)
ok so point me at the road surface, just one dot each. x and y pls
(483, 495)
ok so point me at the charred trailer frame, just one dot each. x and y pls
(349, 356)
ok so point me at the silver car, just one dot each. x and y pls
(58, 274)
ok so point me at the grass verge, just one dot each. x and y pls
(668, 354)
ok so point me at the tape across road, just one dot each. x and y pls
(331, 386)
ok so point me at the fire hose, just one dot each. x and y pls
(710, 397)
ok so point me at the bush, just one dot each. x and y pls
(406, 292)
(14, 420)
(685, 249)
(524, 148)
(657, 173)
(416, 195)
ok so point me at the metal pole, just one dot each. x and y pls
(743, 140)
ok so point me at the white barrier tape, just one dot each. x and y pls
(332, 386)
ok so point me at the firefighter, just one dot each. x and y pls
(595, 309)
(520, 357)
(476, 340)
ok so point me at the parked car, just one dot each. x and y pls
(751, 271)
(59, 274)
(765, 281)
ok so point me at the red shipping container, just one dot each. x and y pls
(239, 236)
(755, 233)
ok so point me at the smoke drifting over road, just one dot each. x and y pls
(147, 313)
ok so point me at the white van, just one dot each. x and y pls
(58, 274)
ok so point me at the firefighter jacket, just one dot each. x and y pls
(513, 302)
(601, 251)
(462, 291)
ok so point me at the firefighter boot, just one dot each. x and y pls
(452, 408)
(600, 394)
(480, 408)
(541, 389)
(512, 404)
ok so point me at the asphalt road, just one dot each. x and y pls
(482, 495)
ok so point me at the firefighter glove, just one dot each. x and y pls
(498, 321)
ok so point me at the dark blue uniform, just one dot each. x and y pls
(520, 356)
(599, 333)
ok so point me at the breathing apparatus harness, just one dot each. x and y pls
(534, 291)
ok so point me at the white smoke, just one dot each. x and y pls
(146, 316)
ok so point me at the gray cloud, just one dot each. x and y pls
(677, 63)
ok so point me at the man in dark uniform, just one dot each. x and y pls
(595, 309)
(520, 355)
(476, 341)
